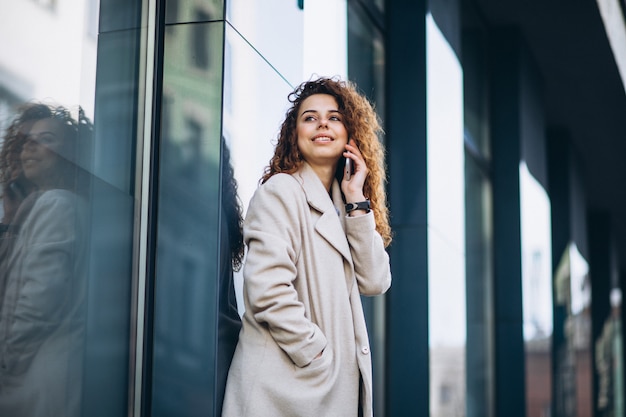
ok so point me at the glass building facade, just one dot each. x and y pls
(135, 132)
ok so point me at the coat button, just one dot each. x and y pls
(365, 350)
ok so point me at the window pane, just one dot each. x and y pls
(272, 27)
(537, 292)
(186, 11)
(478, 228)
(446, 228)
(257, 95)
(366, 57)
(193, 259)
(319, 60)
(68, 203)
(480, 320)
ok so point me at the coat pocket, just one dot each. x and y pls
(318, 366)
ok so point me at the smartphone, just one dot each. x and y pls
(348, 170)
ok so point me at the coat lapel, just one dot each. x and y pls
(331, 223)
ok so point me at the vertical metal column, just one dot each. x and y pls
(506, 67)
(407, 308)
(150, 74)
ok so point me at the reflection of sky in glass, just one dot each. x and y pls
(298, 44)
(446, 221)
(274, 29)
(325, 50)
(51, 58)
(536, 256)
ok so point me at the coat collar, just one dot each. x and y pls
(331, 225)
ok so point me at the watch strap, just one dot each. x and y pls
(361, 205)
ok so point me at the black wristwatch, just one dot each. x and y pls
(361, 205)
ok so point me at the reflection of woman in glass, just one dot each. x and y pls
(15, 187)
(312, 251)
(41, 310)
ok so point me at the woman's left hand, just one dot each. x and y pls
(353, 188)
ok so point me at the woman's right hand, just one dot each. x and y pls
(353, 188)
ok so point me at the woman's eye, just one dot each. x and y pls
(309, 118)
(335, 118)
(46, 140)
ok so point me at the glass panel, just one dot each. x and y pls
(186, 11)
(366, 68)
(376, 5)
(108, 331)
(67, 204)
(366, 57)
(272, 27)
(446, 228)
(479, 258)
(324, 52)
(119, 14)
(537, 293)
(255, 93)
(478, 229)
(192, 261)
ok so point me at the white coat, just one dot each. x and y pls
(41, 310)
(306, 267)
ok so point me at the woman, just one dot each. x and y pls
(14, 185)
(41, 307)
(312, 251)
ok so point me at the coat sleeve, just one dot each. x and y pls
(272, 232)
(371, 261)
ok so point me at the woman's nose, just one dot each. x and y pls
(30, 144)
(323, 122)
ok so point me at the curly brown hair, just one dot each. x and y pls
(15, 138)
(362, 124)
(233, 210)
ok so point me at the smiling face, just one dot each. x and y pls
(40, 156)
(322, 136)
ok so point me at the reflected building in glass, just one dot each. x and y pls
(134, 134)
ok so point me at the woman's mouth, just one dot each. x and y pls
(29, 161)
(322, 139)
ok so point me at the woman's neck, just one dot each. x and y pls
(326, 174)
